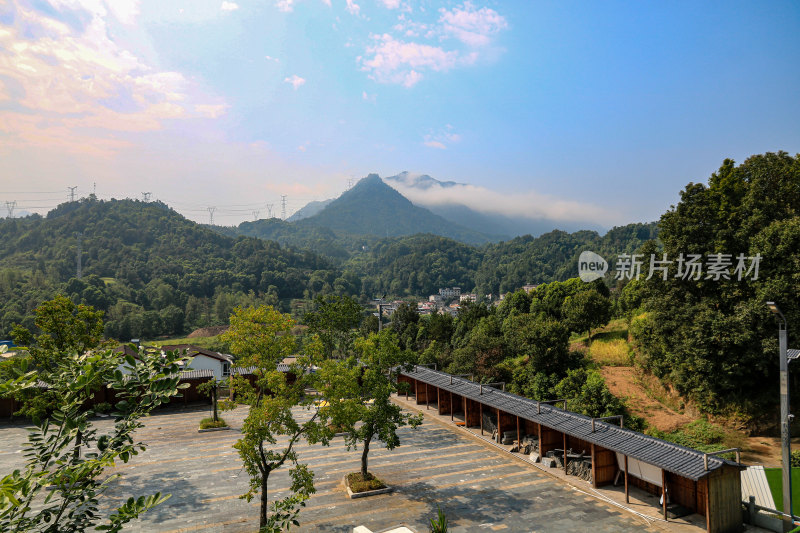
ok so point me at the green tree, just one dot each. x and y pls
(63, 328)
(67, 456)
(711, 339)
(586, 310)
(261, 338)
(359, 389)
(335, 322)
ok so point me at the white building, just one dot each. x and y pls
(448, 293)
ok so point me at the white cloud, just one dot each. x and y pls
(473, 27)
(394, 61)
(295, 81)
(391, 4)
(75, 89)
(270, 58)
(229, 6)
(285, 5)
(211, 111)
(442, 138)
(368, 97)
(353, 8)
(531, 205)
(401, 60)
(435, 144)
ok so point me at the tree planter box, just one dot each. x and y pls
(366, 493)
(213, 429)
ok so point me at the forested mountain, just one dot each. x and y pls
(420, 264)
(150, 269)
(336, 246)
(153, 272)
(373, 208)
(309, 210)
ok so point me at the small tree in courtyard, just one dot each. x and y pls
(211, 388)
(359, 391)
(67, 456)
(261, 338)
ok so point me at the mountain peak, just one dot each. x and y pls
(372, 206)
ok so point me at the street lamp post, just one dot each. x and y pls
(785, 416)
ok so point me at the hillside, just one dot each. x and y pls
(371, 207)
(150, 269)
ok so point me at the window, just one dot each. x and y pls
(226, 370)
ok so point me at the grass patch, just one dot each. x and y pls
(702, 435)
(208, 423)
(775, 480)
(359, 484)
(202, 342)
(611, 352)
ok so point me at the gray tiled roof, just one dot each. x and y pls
(197, 374)
(671, 457)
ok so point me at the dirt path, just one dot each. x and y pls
(621, 382)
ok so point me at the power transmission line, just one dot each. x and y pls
(211, 215)
(146, 196)
(269, 210)
(72, 193)
(10, 206)
(283, 207)
(255, 214)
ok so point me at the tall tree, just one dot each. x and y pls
(710, 336)
(334, 321)
(359, 391)
(586, 310)
(261, 338)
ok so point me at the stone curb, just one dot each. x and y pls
(213, 429)
(366, 493)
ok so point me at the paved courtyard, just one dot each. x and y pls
(480, 489)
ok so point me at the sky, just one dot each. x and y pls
(595, 111)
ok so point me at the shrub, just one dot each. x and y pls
(208, 423)
(102, 407)
(360, 484)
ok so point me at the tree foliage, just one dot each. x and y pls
(358, 393)
(714, 340)
(279, 407)
(63, 479)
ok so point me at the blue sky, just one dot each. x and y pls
(595, 111)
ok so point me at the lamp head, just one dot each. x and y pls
(774, 308)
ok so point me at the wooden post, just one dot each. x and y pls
(519, 439)
(407, 389)
(466, 416)
(452, 409)
(481, 412)
(664, 492)
(499, 431)
(627, 497)
(594, 468)
(427, 396)
(539, 429)
(565, 453)
(708, 508)
(416, 391)
(438, 401)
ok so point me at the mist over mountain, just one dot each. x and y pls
(490, 212)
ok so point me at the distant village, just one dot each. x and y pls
(448, 300)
